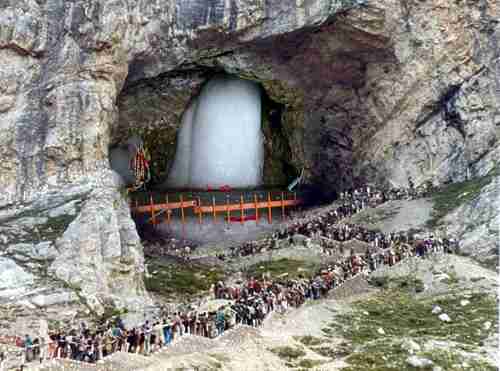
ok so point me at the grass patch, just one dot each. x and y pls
(404, 283)
(339, 351)
(305, 364)
(477, 279)
(452, 196)
(452, 278)
(453, 361)
(288, 353)
(379, 356)
(187, 280)
(309, 340)
(401, 315)
(276, 268)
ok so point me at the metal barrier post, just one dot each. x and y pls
(256, 208)
(269, 211)
(182, 209)
(168, 210)
(200, 212)
(283, 205)
(213, 209)
(153, 216)
(242, 214)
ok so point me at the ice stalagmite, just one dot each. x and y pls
(225, 145)
(179, 172)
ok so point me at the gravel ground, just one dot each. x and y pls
(395, 216)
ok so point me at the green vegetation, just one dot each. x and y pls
(309, 340)
(338, 351)
(280, 267)
(378, 356)
(449, 360)
(405, 283)
(477, 279)
(452, 278)
(288, 353)
(454, 195)
(401, 316)
(111, 312)
(169, 280)
(306, 363)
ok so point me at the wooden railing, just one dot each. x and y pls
(164, 210)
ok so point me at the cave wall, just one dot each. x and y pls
(66, 64)
(371, 91)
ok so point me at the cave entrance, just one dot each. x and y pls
(148, 119)
(220, 169)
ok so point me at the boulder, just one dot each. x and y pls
(410, 346)
(419, 362)
(444, 317)
(436, 309)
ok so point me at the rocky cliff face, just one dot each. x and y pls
(370, 91)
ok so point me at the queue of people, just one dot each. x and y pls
(249, 303)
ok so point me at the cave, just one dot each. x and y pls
(202, 138)
(309, 113)
(313, 118)
(228, 133)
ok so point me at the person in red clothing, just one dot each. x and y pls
(251, 286)
(257, 287)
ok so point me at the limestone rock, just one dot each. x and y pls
(476, 223)
(463, 303)
(14, 279)
(436, 309)
(444, 317)
(48, 300)
(410, 346)
(419, 362)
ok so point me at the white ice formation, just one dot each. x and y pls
(220, 140)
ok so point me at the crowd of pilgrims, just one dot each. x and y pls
(251, 301)
(305, 223)
(248, 303)
(325, 227)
